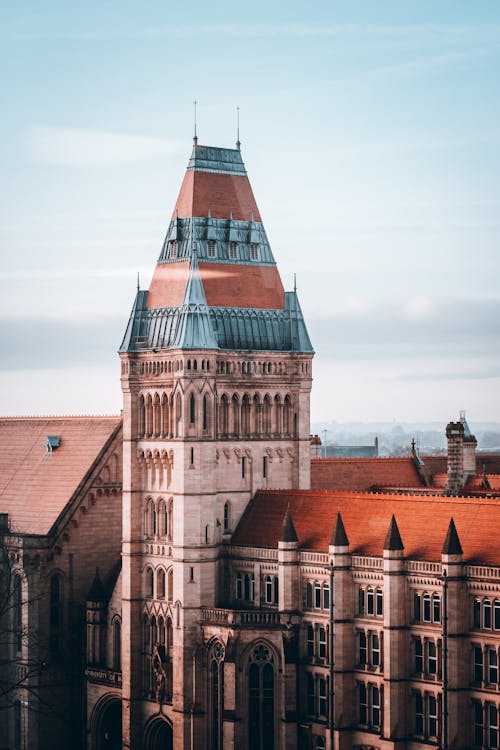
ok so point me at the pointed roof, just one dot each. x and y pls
(393, 539)
(452, 544)
(339, 536)
(288, 533)
(97, 592)
(194, 330)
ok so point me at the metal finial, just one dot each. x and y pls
(195, 137)
(295, 283)
(138, 286)
(238, 144)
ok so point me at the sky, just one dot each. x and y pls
(371, 135)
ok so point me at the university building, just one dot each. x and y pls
(218, 586)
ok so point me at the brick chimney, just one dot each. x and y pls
(455, 436)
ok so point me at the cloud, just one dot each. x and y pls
(76, 147)
(418, 308)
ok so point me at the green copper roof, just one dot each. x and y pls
(212, 159)
(194, 325)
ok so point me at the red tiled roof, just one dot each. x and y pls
(422, 521)
(363, 473)
(494, 481)
(220, 194)
(225, 285)
(35, 485)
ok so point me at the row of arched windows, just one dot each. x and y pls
(158, 519)
(161, 415)
(159, 584)
(486, 614)
(227, 367)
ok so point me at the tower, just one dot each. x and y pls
(216, 378)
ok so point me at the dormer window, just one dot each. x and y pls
(52, 442)
(173, 248)
(233, 250)
(211, 249)
(254, 251)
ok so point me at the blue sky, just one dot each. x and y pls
(371, 134)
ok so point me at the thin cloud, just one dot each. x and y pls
(75, 147)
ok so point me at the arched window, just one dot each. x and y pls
(149, 583)
(245, 416)
(487, 614)
(235, 415)
(148, 431)
(150, 518)
(278, 412)
(309, 595)
(276, 590)
(170, 520)
(156, 416)
(205, 413)
(17, 601)
(164, 416)
(261, 700)
(266, 415)
(224, 415)
(178, 415)
(217, 694)
(227, 516)
(141, 416)
(162, 519)
(287, 410)
(117, 645)
(170, 585)
(269, 590)
(56, 623)
(160, 584)
(192, 409)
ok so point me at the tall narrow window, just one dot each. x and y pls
(261, 700)
(217, 690)
(227, 516)
(17, 593)
(487, 614)
(310, 641)
(362, 648)
(419, 714)
(496, 614)
(309, 596)
(431, 658)
(211, 249)
(233, 250)
(370, 602)
(254, 251)
(417, 607)
(310, 694)
(243, 467)
(432, 716)
(264, 467)
(375, 706)
(375, 648)
(173, 248)
(492, 726)
(476, 614)
(322, 643)
(436, 608)
(322, 702)
(419, 661)
(55, 615)
(477, 664)
(478, 724)
(269, 590)
(205, 413)
(192, 409)
(117, 645)
(380, 602)
(492, 666)
(363, 705)
(427, 608)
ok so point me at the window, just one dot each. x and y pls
(487, 614)
(322, 643)
(211, 249)
(436, 608)
(173, 248)
(375, 650)
(375, 706)
(432, 716)
(427, 607)
(264, 467)
(496, 614)
(362, 649)
(431, 658)
(476, 614)
(254, 251)
(310, 641)
(309, 596)
(478, 724)
(149, 583)
(192, 409)
(205, 413)
(326, 597)
(243, 467)
(322, 710)
(492, 666)
(17, 594)
(269, 590)
(477, 663)
(370, 602)
(380, 602)
(160, 584)
(117, 645)
(363, 705)
(261, 700)
(419, 714)
(361, 601)
(416, 607)
(227, 516)
(245, 586)
(317, 596)
(419, 661)
(233, 250)
(492, 734)
(310, 694)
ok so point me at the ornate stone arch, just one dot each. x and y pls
(106, 723)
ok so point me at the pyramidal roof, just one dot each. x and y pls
(216, 283)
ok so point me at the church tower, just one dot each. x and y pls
(216, 380)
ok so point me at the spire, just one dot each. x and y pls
(195, 137)
(238, 143)
(393, 539)
(339, 536)
(452, 544)
(194, 324)
(96, 593)
(288, 533)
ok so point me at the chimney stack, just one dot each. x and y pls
(455, 436)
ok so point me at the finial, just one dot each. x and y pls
(295, 283)
(238, 144)
(195, 137)
(138, 285)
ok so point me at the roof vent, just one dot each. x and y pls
(52, 442)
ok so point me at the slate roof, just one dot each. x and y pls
(422, 520)
(35, 485)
